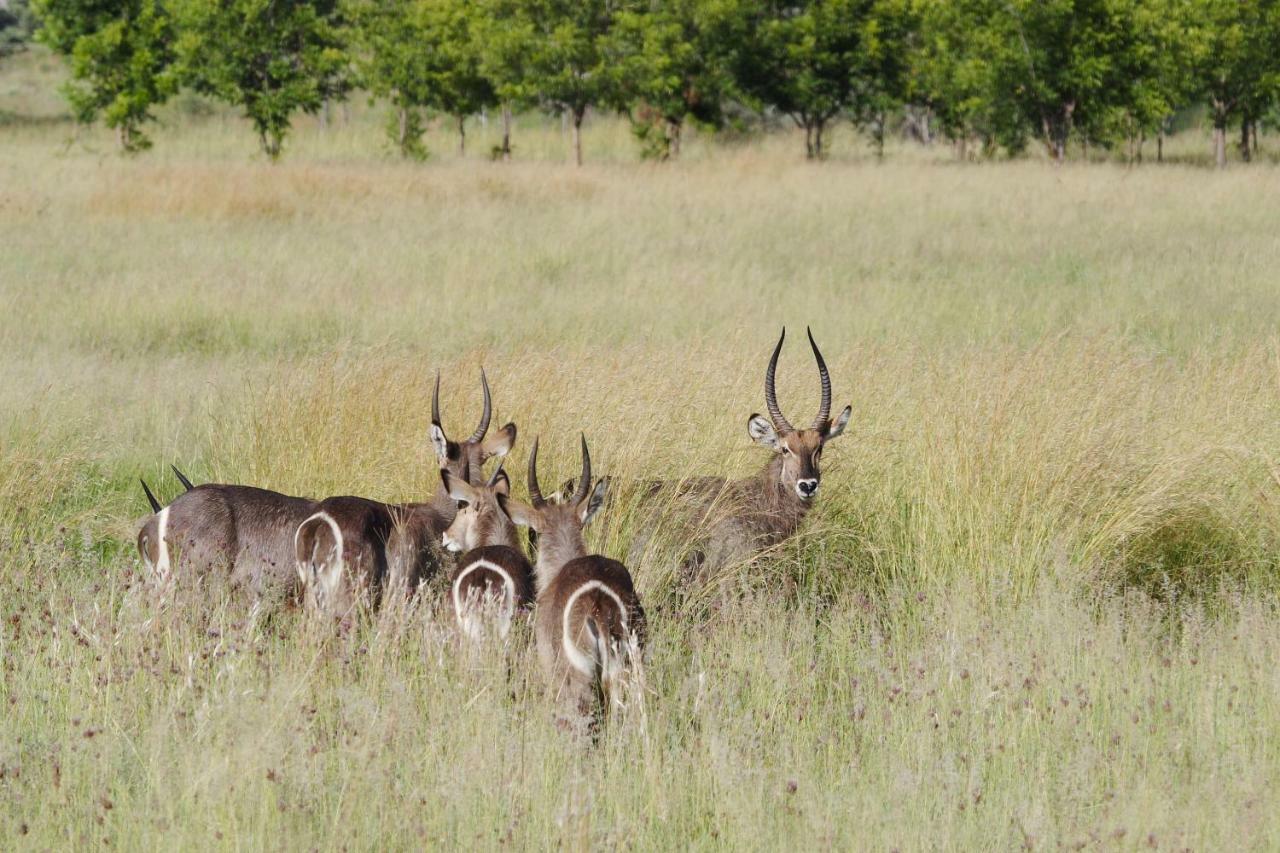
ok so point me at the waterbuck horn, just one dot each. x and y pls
(535, 492)
(435, 402)
(584, 481)
(770, 396)
(483, 428)
(494, 479)
(824, 408)
(182, 478)
(151, 499)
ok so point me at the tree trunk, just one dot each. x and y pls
(326, 114)
(1253, 126)
(818, 129)
(1160, 142)
(462, 135)
(674, 127)
(402, 134)
(1220, 146)
(1245, 153)
(578, 115)
(506, 132)
(808, 140)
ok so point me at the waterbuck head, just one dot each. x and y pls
(479, 521)
(800, 450)
(558, 523)
(466, 459)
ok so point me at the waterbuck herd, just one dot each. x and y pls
(342, 554)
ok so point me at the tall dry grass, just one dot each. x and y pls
(1035, 603)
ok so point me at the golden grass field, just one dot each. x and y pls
(1036, 603)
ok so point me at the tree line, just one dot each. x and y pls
(990, 76)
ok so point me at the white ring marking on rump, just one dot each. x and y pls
(582, 662)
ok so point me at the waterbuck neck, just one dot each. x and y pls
(556, 547)
(778, 502)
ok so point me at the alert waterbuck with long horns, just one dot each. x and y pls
(350, 548)
(589, 627)
(735, 519)
(493, 579)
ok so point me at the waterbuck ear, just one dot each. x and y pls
(500, 443)
(519, 512)
(501, 483)
(457, 487)
(591, 504)
(840, 423)
(440, 443)
(763, 433)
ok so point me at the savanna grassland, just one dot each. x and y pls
(1036, 603)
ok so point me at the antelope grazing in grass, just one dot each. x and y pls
(589, 627)
(740, 518)
(493, 578)
(352, 548)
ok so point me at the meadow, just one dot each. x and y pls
(1035, 605)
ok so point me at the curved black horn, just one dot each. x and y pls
(483, 428)
(770, 396)
(182, 478)
(584, 481)
(535, 492)
(824, 408)
(151, 499)
(494, 478)
(435, 402)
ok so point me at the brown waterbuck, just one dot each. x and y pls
(492, 579)
(737, 519)
(351, 548)
(590, 627)
(245, 535)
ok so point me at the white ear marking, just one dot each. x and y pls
(763, 433)
(440, 443)
(594, 501)
(840, 423)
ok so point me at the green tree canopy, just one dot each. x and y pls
(121, 56)
(271, 58)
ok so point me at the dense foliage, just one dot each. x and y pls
(991, 74)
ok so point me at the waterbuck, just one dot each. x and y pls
(590, 627)
(352, 548)
(736, 519)
(245, 535)
(493, 578)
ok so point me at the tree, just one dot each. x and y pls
(670, 62)
(550, 52)
(950, 73)
(16, 26)
(121, 60)
(269, 57)
(457, 84)
(1066, 65)
(811, 61)
(392, 63)
(1235, 62)
(420, 54)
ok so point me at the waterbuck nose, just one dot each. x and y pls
(806, 488)
(452, 545)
